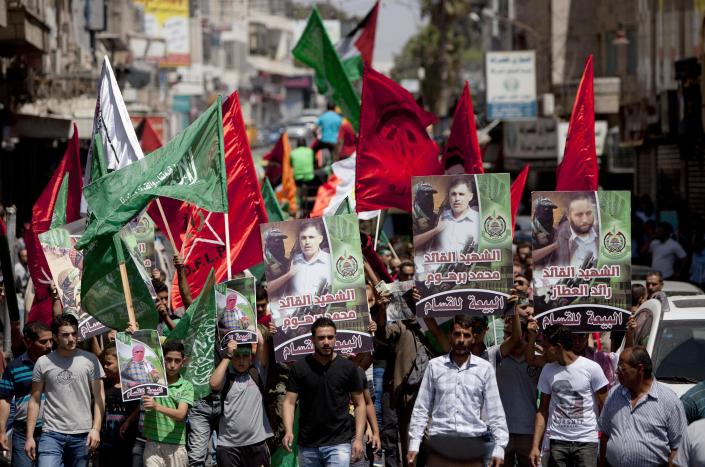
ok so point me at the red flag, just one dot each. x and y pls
(462, 146)
(275, 159)
(578, 171)
(392, 146)
(204, 241)
(148, 136)
(516, 190)
(65, 184)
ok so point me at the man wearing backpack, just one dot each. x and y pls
(244, 427)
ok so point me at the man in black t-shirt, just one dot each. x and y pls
(324, 384)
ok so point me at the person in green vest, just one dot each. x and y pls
(303, 162)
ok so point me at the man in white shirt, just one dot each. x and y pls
(457, 223)
(459, 393)
(310, 267)
(666, 253)
(570, 385)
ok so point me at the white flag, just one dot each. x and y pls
(343, 180)
(120, 144)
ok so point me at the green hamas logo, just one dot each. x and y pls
(347, 268)
(614, 242)
(495, 226)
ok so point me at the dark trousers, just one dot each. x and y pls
(518, 450)
(389, 432)
(254, 455)
(572, 454)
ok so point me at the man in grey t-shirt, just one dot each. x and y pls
(244, 427)
(67, 377)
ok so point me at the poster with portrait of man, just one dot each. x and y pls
(66, 268)
(236, 315)
(463, 244)
(141, 362)
(314, 268)
(581, 251)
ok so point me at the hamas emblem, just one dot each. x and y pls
(614, 243)
(347, 268)
(495, 226)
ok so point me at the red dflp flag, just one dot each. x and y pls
(204, 241)
(578, 171)
(462, 146)
(393, 145)
(64, 187)
(516, 190)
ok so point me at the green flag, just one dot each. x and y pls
(315, 50)
(197, 332)
(274, 214)
(190, 167)
(102, 294)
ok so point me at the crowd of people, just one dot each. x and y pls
(465, 391)
(468, 391)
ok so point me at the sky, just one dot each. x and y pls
(398, 20)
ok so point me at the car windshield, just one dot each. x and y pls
(679, 352)
(681, 293)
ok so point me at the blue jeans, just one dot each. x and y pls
(377, 381)
(62, 450)
(337, 455)
(203, 419)
(19, 458)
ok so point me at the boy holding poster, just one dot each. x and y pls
(463, 244)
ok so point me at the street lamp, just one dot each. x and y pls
(620, 37)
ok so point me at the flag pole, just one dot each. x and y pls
(166, 224)
(227, 245)
(117, 243)
(379, 214)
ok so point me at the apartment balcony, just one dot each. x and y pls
(25, 32)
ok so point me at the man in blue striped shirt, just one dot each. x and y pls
(643, 421)
(16, 384)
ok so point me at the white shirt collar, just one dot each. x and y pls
(589, 239)
(447, 214)
(321, 258)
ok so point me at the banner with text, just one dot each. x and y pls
(463, 241)
(235, 305)
(511, 85)
(582, 259)
(314, 268)
(141, 365)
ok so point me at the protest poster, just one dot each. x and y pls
(463, 241)
(314, 268)
(511, 85)
(398, 307)
(236, 315)
(582, 259)
(142, 229)
(141, 365)
(66, 267)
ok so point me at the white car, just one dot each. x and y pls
(673, 288)
(677, 341)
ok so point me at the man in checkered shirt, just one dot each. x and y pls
(459, 394)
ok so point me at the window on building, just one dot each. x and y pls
(632, 52)
(610, 54)
(229, 49)
(258, 39)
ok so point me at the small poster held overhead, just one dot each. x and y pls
(582, 259)
(66, 267)
(314, 268)
(237, 318)
(463, 242)
(141, 364)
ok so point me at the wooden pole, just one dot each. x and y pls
(166, 224)
(128, 296)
